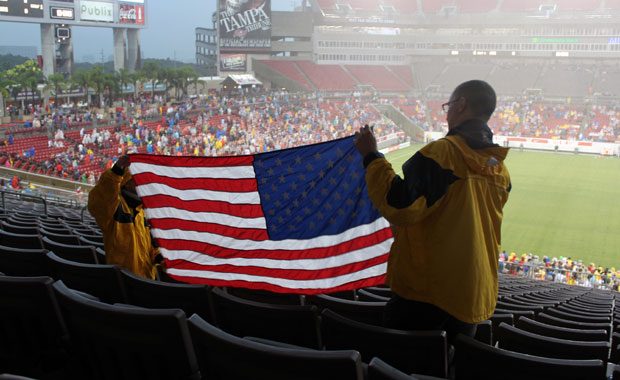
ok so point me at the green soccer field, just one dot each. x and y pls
(560, 205)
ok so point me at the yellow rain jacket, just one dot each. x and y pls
(126, 237)
(446, 215)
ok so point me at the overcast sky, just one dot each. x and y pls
(170, 31)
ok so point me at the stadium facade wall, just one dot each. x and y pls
(551, 145)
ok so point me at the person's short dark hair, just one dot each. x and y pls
(480, 97)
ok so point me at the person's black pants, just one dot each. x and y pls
(404, 314)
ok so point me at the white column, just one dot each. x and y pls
(120, 48)
(133, 50)
(48, 49)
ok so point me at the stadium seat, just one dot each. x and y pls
(515, 307)
(34, 336)
(9, 227)
(265, 296)
(516, 313)
(102, 281)
(484, 332)
(576, 317)
(294, 324)
(541, 328)
(380, 370)
(191, 298)
(8, 376)
(87, 241)
(128, 341)
(77, 253)
(24, 262)
(383, 291)
(549, 319)
(238, 358)
(55, 228)
(479, 361)
(365, 312)
(423, 352)
(583, 311)
(23, 241)
(496, 319)
(69, 239)
(517, 340)
(366, 296)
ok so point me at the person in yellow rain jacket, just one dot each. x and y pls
(116, 207)
(446, 216)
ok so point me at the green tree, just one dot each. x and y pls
(184, 76)
(195, 79)
(151, 73)
(81, 79)
(100, 81)
(136, 78)
(26, 76)
(123, 78)
(55, 82)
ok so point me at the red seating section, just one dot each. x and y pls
(476, 5)
(377, 76)
(404, 73)
(289, 70)
(328, 77)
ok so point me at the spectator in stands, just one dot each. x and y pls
(116, 207)
(446, 214)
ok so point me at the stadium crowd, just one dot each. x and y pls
(208, 125)
(563, 270)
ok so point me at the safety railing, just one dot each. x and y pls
(578, 275)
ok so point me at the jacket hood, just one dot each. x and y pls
(474, 139)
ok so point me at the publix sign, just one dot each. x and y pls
(96, 11)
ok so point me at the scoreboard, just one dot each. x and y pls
(104, 13)
(22, 8)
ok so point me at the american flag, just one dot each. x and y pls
(296, 220)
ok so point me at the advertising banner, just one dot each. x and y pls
(96, 11)
(131, 14)
(233, 62)
(244, 26)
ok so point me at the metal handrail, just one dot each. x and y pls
(540, 271)
(19, 195)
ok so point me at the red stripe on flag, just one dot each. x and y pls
(314, 253)
(240, 210)
(230, 185)
(188, 225)
(187, 161)
(290, 274)
(363, 283)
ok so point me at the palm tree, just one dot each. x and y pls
(136, 78)
(57, 83)
(123, 78)
(195, 79)
(99, 82)
(185, 74)
(151, 73)
(81, 79)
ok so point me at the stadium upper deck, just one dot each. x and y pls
(434, 6)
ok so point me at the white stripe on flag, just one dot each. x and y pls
(205, 217)
(196, 194)
(285, 245)
(356, 256)
(229, 172)
(323, 283)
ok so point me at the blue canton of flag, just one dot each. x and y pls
(313, 190)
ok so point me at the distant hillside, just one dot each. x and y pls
(8, 61)
(109, 66)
